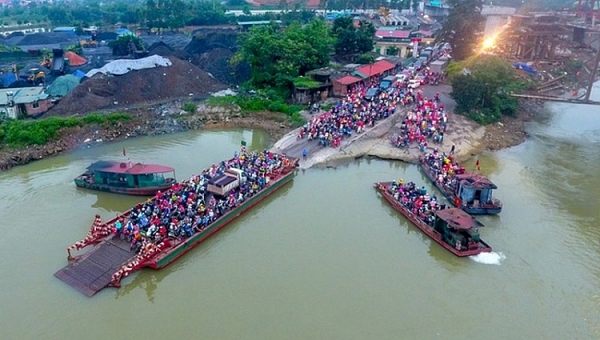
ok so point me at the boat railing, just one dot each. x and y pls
(98, 232)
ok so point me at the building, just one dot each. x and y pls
(245, 25)
(24, 101)
(391, 41)
(379, 68)
(343, 84)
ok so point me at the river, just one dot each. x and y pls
(325, 257)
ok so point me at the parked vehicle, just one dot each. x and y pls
(372, 93)
(221, 185)
(387, 82)
(414, 83)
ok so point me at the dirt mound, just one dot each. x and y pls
(136, 87)
(207, 39)
(160, 48)
(217, 63)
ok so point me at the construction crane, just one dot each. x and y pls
(588, 9)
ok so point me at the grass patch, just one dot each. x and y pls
(257, 103)
(189, 107)
(39, 132)
(326, 107)
(306, 83)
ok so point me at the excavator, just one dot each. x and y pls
(47, 63)
(36, 77)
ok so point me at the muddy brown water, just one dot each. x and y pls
(325, 257)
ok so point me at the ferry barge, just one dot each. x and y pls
(126, 243)
(470, 192)
(452, 228)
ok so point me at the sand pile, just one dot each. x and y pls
(182, 79)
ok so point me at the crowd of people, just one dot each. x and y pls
(188, 207)
(354, 113)
(444, 166)
(417, 200)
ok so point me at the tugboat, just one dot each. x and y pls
(156, 232)
(467, 191)
(126, 178)
(452, 228)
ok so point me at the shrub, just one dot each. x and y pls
(190, 107)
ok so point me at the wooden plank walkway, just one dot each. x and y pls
(94, 270)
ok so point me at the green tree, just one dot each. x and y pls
(126, 44)
(481, 87)
(463, 27)
(277, 55)
(351, 41)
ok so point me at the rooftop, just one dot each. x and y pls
(476, 181)
(397, 34)
(376, 68)
(259, 22)
(23, 95)
(458, 219)
(347, 80)
(125, 168)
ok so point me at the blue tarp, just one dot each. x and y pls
(8, 78)
(79, 74)
(123, 31)
(525, 68)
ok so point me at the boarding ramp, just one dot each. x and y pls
(93, 271)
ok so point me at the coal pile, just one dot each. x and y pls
(175, 41)
(162, 49)
(181, 79)
(217, 63)
(207, 39)
(46, 38)
(212, 49)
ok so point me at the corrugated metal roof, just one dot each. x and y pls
(397, 34)
(23, 95)
(347, 80)
(379, 67)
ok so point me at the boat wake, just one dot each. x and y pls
(489, 258)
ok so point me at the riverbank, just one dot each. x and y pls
(468, 137)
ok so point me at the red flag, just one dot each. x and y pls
(125, 153)
(477, 165)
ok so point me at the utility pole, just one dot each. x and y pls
(593, 75)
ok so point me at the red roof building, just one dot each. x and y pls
(393, 34)
(374, 69)
(340, 86)
(348, 80)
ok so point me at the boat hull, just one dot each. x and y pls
(382, 188)
(147, 191)
(482, 209)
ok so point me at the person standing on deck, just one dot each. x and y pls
(304, 154)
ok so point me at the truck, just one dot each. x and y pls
(222, 184)
(387, 82)
(438, 66)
